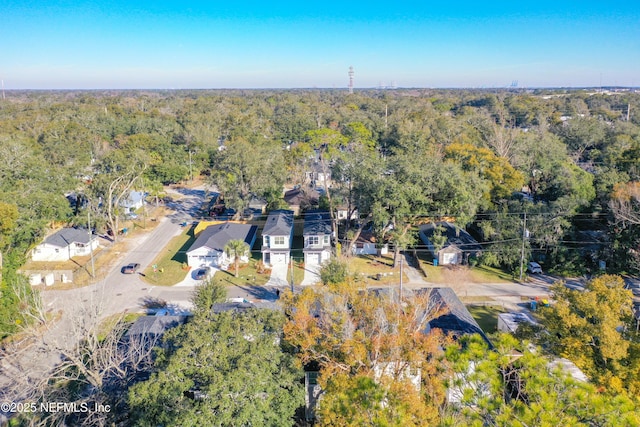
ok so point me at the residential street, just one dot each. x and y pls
(117, 292)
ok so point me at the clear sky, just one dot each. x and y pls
(111, 44)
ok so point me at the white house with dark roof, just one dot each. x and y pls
(208, 249)
(367, 244)
(277, 236)
(65, 244)
(135, 200)
(317, 237)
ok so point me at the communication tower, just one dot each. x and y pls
(351, 73)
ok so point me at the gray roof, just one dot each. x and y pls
(455, 236)
(316, 223)
(243, 306)
(215, 237)
(279, 223)
(300, 196)
(453, 317)
(155, 325)
(66, 236)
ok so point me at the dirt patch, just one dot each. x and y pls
(456, 276)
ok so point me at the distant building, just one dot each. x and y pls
(300, 200)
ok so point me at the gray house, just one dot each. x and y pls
(277, 236)
(457, 247)
(208, 249)
(317, 237)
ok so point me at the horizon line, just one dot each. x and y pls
(346, 88)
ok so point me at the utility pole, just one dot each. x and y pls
(524, 236)
(93, 269)
(386, 115)
(190, 167)
(401, 260)
(628, 108)
(291, 264)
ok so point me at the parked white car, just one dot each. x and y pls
(534, 268)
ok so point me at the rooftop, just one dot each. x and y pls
(316, 223)
(279, 223)
(215, 237)
(64, 237)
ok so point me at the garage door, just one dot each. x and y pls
(313, 259)
(450, 258)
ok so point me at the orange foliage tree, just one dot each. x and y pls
(375, 359)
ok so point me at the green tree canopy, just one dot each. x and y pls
(227, 369)
(592, 327)
(515, 387)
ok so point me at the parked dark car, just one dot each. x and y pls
(201, 273)
(130, 268)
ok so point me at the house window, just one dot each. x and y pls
(313, 240)
(325, 240)
(278, 240)
(266, 240)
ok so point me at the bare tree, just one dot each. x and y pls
(93, 365)
(625, 203)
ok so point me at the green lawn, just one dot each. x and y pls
(485, 274)
(170, 263)
(247, 273)
(486, 316)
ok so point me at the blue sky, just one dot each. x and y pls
(78, 44)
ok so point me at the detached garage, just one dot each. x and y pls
(456, 245)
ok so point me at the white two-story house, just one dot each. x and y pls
(317, 237)
(277, 236)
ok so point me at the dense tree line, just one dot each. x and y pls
(400, 157)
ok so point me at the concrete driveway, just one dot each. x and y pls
(311, 274)
(279, 275)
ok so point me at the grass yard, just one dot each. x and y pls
(452, 274)
(375, 270)
(247, 273)
(484, 274)
(170, 264)
(486, 316)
